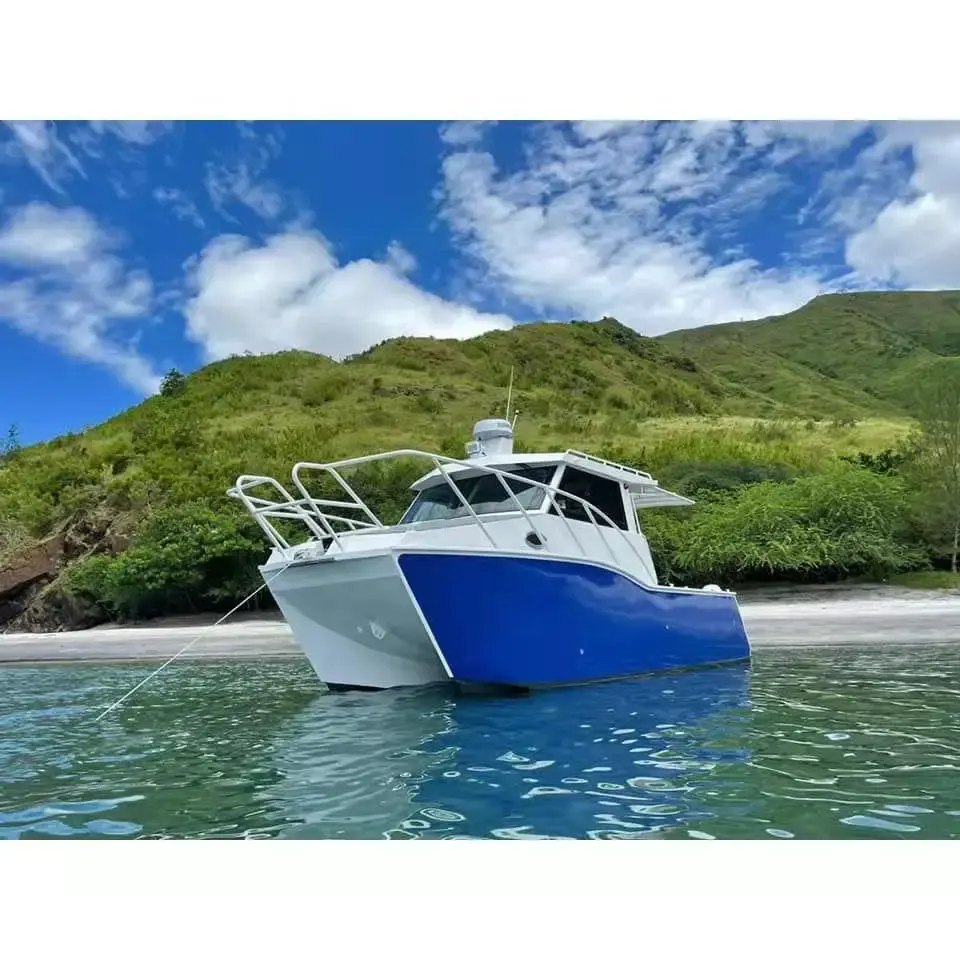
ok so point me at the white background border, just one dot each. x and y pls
(510, 60)
(500, 59)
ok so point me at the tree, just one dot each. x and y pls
(11, 443)
(173, 383)
(936, 405)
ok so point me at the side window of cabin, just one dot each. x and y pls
(601, 493)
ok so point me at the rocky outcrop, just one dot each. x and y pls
(53, 607)
(14, 605)
(33, 596)
(25, 576)
(40, 561)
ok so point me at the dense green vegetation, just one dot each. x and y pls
(844, 521)
(800, 437)
(185, 558)
(861, 350)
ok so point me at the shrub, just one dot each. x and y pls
(428, 403)
(842, 522)
(887, 461)
(764, 431)
(183, 559)
(333, 385)
(710, 476)
(618, 399)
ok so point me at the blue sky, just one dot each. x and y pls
(127, 248)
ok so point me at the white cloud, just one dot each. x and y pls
(71, 291)
(401, 258)
(39, 144)
(46, 236)
(36, 143)
(790, 137)
(584, 229)
(140, 132)
(291, 292)
(597, 129)
(461, 133)
(243, 179)
(227, 185)
(914, 241)
(180, 203)
(648, 221)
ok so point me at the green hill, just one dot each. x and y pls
(860, 349)
(775, 398)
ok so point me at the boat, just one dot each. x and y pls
(507, 570)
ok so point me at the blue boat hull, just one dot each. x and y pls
(535, 621)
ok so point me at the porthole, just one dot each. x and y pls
(534, 540)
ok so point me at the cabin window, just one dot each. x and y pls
(599, 492)
(484, 493)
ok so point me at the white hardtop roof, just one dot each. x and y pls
(644, 490)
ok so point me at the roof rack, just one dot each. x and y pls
(580, 455)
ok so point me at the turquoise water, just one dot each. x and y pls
(813, 743)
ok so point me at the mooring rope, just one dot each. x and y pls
(199, 636)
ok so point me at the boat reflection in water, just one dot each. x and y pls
(623, 759)
(615, 760)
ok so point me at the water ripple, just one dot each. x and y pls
(804, 744)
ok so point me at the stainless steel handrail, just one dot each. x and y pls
(309, 509)
(590, 458)
(288, 508)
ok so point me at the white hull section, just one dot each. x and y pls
(628, 552)
(357, 623)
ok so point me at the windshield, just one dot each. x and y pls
(484, 493)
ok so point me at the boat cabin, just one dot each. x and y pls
(614, 489)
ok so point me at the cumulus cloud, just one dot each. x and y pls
(914, 240)
(617, 219)
(39, 235)
(651, 222)
(291, 292)
(69, 289)
(597, 129)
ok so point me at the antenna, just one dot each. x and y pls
(506, 415)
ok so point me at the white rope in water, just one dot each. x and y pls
(186, 647)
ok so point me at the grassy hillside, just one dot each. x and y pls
(860, 349)
(596, 384)
(770, 400)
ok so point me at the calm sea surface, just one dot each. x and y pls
(812, 743)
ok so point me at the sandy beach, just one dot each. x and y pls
(240, 639)
(816, 617)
